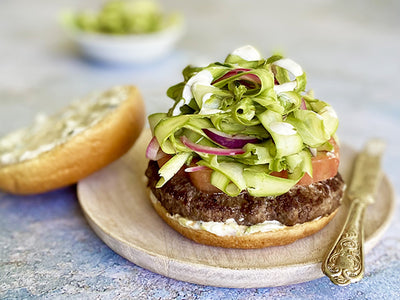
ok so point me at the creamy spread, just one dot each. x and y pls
(230, 227)
(49, 131)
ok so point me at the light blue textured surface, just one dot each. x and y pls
(350, 52)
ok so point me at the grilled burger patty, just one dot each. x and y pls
(300, 204)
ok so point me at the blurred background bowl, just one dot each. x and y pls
(127, 49)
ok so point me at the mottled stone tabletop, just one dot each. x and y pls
(350, 51)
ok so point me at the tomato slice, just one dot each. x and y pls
(325, 165)
(202, 181)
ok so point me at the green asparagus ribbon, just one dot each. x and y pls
(263, 98)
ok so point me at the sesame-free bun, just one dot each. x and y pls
(277, 237)
(90, 134)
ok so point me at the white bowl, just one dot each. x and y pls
(127, 49)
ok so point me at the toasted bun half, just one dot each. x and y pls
(107, 125)
(277, 237)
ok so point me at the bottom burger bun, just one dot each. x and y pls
(62, 149)
(277, 237)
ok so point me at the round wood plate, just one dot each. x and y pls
(115, 203)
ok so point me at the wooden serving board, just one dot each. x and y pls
(115, 203)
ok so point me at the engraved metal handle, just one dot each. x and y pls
(344, 263)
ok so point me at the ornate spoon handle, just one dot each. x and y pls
(345, 262)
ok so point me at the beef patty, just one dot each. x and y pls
(300, 204)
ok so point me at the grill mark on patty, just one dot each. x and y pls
(300, 204)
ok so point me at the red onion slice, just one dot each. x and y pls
(195, 169)
(228, 140)
(230, 74)
(153, 151)
(249, 80)
(209, 150)
(303, 104)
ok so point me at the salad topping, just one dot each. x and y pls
(247, 119)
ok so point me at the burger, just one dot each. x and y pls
(246, 157)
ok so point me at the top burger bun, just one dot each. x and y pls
(62, 149)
